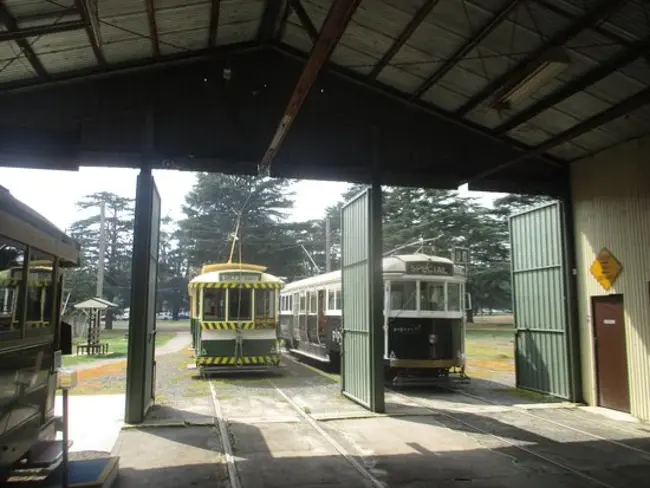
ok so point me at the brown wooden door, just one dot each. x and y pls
(611, 356)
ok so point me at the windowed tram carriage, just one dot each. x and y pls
(234, 316)
(424, 316)
(32, 337)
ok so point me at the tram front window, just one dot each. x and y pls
(453, 297)
(265, 303)
(403, 295)
(432, 297)
(214, 304)
(239, 304)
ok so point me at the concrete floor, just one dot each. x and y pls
(293, 428)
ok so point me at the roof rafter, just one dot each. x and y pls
(39, 30)
(153, 27)
(271, 20)
(214, 22)
(338, 18)
(603, 9)
(404, 36)
(627, 106)
(305, 20)
(12, 26)
(485, 31)
(89, 13)
(556, 9)
(627, 56)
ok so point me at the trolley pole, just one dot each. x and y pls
(102, 249)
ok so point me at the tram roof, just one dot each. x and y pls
(391, 264)
(29, 227)
(216, 275)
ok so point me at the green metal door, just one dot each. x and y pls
(362, 291)
(543, 336)
(141, 366)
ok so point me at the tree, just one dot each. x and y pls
(118, 236)
(173, 269)
(217, 202)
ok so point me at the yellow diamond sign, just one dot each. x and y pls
(606, 268)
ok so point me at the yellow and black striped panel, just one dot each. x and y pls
(236, 325)
(272, 360)
(236, 284)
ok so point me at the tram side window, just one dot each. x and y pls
(303, 303)
(40, 293)
(12, 255)
(264, 303)
(403, 295)
(338, 300)
(312, 302)
(240, 304)
(453, 297)
(331, 300)
(214, 304)
(432, 297)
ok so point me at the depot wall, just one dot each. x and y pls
(611, 203)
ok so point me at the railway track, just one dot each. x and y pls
(365, 475)
(483, 425)
(426, 404)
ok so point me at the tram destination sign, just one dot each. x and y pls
(430, 268)
(247, 277)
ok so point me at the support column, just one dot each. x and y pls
(573, 319)
(377, 290)
(140, 373)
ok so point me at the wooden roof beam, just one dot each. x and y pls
(305, 20)
(153, 27)
(404, 36)
(88, 10)
(271, 20)
(335, 23)
(464, 50)
(627, 106)
(12, 26)
(627, 56)
(214, 22)
(602, 10)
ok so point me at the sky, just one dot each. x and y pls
(34, 188)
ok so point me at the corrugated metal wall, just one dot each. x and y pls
(611, 202)
(539, 293)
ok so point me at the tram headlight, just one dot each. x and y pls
(433, 338)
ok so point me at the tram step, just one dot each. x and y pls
(42, 455)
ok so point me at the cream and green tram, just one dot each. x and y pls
(423, 317)
(234, 317)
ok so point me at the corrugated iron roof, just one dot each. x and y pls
(127, 34)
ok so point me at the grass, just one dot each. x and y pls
(160, 324)
(117, 346)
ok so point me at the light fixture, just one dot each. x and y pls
(554, 63)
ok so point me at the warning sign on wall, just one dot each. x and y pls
(606, 268)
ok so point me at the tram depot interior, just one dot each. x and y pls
(356, 91)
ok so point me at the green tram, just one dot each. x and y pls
(234, 317)
(32, 337)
